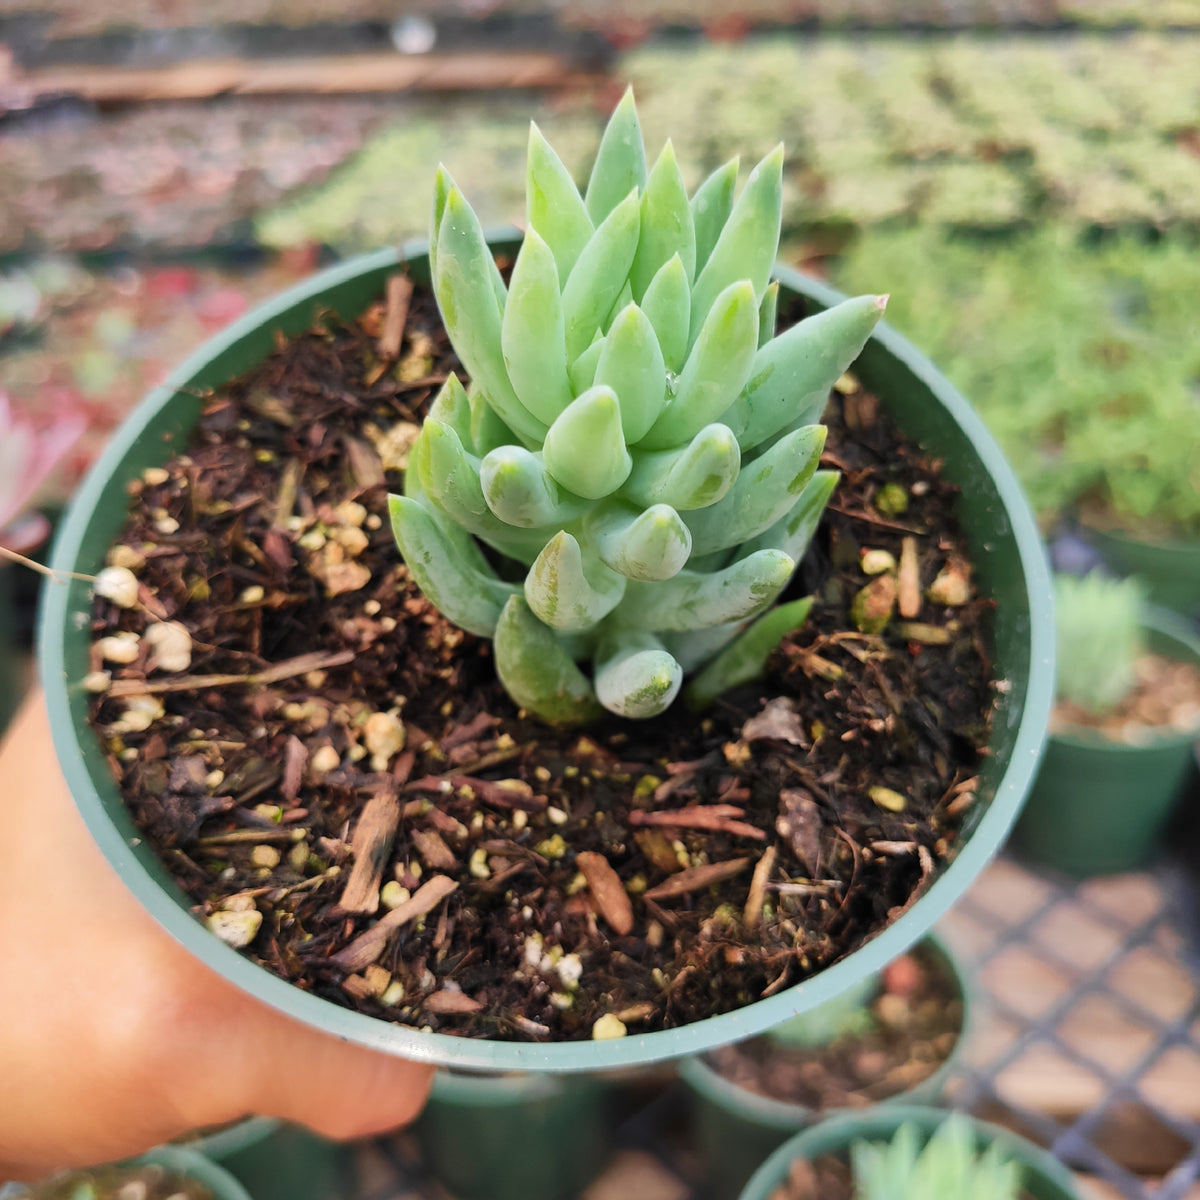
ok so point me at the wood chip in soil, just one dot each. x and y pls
(321, 680)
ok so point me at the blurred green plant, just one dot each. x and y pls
(1098, 625)
(948, 1167)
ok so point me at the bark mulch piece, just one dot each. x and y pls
(321, 681)
(898, 1040)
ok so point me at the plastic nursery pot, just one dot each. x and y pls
(187, 1163)
(1043, 1176)
(1170, 570)
(1099, 806)
(516, 1137)
(1010, 567)
(737, 1128)
(276, 1161)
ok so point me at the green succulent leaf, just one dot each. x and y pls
(745, 658)
(583, 369)
(794, 530)
(715, 372)
(693, 476)
(620, 164)
(694, 600)
(553, 205)
(790, 380)
(667, 227)
(487, 430)
(585, 448)
(521, 492)
(645, 544)
(452, 407)
(711, 206)
(599, 275)
(766, 489)
(668, 305)
(468, 306)
(631, 363)
(748, 242)
(536, 670)
(531, 334)
(448, 568)
(568, 591)
(635, 675)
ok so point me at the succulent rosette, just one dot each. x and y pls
(636, 448)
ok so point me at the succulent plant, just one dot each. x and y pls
(947, 1168)
(1099, 633)
(634, 441)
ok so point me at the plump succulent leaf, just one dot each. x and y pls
(537, 671)
(620, 165)
(634, 434)
(635, 676)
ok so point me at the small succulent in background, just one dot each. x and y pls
(635, 440)
(947, 1168)
(28, 453)
(846, 1014)
(1099, 633)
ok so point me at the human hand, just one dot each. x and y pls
(112, 1037)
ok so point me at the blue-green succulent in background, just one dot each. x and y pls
(634, 436)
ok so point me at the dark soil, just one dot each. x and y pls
(121, 1183)
(728, 857)
(899, 1040)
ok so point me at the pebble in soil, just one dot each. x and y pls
(345, 792)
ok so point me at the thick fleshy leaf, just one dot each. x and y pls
(748, 243)
(715, 372)
(667, 227)
(457, 581)
(711, 206)
(531, 334)
(442, 186)
(793, 531)
(472, 319)
(521, 492)
(487, 430)
(668, 305)
(583, 369)
(693, 601)
(768, 313)
(452, 407)
(631, 363)
(599, 275)
(569, 592)
(694, 647)
(648, 544)
(697, 475)
(635, 676)
(553, 205)
(745, 658)
(536, 670)
(790, 380)
(765, 490)
(585, 448)
(620, 164)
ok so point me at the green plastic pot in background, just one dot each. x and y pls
(1170, 570)
(1098, 806)
(1043, 1176)
(277, 1161)
(516, 1137)
(1010, 567)
(736, 1128)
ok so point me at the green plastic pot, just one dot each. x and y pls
(188, 1163)
(1005, 544)
(737, 1128)
(1098, 806)
(516, 1137)
(1170, 570)
(1044, 1177)
(276, 1161)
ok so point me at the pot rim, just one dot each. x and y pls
(165, 906)
(786, 1115)
(842, 1127)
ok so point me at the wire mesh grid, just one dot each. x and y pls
(1086, 1039)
